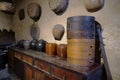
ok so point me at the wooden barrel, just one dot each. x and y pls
(81, 40)
(80, 27)
(80, 62)
(81, 48)
(62, 51)
(51, 49)
(80, 51)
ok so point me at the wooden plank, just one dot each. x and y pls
(107, 69)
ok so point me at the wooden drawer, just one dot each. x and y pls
(18, 55)
(27, 59)
(43, 66)
(65, 74)
(39, 75)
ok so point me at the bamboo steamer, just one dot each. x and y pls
(51, 49)
(81, 48)
(80, 62)
(80, 51)
(80, 27)
(62, 51)
(80, 34)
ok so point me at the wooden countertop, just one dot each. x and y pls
(58, 62)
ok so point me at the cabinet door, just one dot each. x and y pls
(19, 68)
(43, 76)
(39, 75)
(28, 72)
(11, 59)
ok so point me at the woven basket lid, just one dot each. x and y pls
(34, 11)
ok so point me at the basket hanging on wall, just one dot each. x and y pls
(21, 14)
(58, 31)
(94, 5)
(58, 6)
(34, 11)
(34, 31)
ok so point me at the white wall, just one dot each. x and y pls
(5, 21)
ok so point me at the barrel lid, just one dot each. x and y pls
(80, 18)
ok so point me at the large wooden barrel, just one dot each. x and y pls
(81, 40)
(80, 27)
(81, 50)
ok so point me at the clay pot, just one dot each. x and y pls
(58, 6)
(51, 49)
(34, 11)
(20, 44)
(40, 46)
(94, 5)
(33, 44)
(62, 51)
(26, 44)
(58, 32)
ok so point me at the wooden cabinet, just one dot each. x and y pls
(11, 60)
(28, 59)
(39, 75)
(64, 74)
(19, 68)
(31, 67)
(42, 65)
(28, 72)
(18, 55)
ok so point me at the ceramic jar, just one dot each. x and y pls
(26, 44)
(51, 49)
(62, 51)
(33, 44)
(40, 46)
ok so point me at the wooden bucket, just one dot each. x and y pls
(81, 49)
(51, 49)
(80, 62)
(80, 27)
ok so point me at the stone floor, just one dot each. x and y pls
(5, 75)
